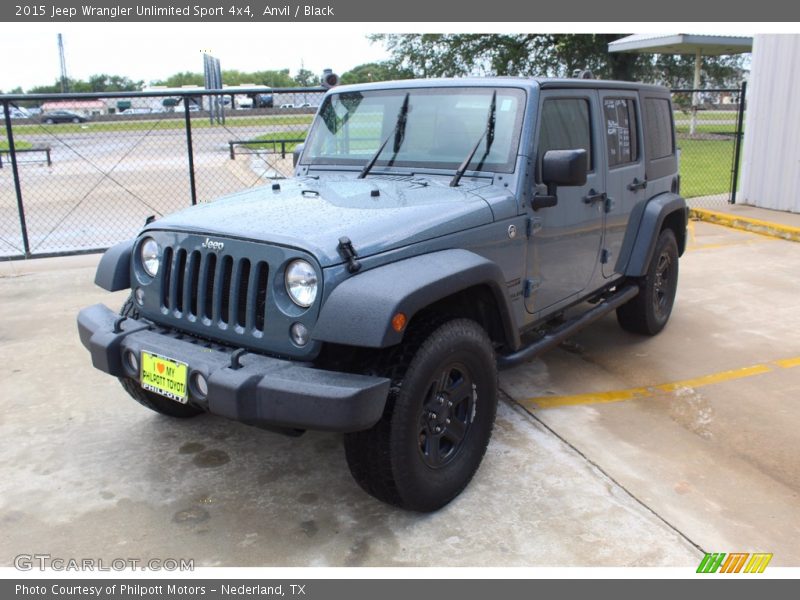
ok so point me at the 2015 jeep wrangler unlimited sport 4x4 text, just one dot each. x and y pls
(433, 231)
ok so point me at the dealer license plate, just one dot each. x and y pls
(165, 376)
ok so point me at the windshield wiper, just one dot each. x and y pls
(488, 133)
(398, 133)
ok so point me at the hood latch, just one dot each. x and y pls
(346, 249)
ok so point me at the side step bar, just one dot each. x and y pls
(568, 329)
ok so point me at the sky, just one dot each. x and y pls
(154, 51)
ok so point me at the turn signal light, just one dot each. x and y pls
(399, 322)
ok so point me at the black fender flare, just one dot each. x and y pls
(358, 312)
(644, 226)
(114, 271)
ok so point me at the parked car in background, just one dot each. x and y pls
(263, 101)
(18, 113)
(62, 116)
(136, 111)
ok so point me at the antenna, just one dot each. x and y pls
(64, 80)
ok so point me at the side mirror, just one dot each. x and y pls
(298, 150)
(564, 167)
(561, 167)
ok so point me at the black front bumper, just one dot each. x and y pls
(263, 391)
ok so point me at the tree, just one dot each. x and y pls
(54, 88)
(306, 78)
(550, 55)
(113, 83)
(376, 71)
(181, 79)
(96, 83)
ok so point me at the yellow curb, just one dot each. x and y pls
(785, 232)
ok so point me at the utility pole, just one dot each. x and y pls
(64, 80)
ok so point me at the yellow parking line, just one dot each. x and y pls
(695, 246)
(788, 363)
(777, 230)
(664, 388)
(751, 238)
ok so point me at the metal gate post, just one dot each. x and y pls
(190, 149)
(737, 152)
(12, 153)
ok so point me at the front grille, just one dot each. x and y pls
(216, 290)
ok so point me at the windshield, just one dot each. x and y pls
(441, 127)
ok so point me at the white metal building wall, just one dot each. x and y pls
(771, 159)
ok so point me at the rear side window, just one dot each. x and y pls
(621, 133)
(658, 128)
(565, 126)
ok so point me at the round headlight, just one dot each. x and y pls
(301, 283)
(151, 256)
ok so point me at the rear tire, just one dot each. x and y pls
(649, 312)
(154, 402)
(437, 421)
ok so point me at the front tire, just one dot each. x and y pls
(649, 312)
(437, 421)
(154, 402)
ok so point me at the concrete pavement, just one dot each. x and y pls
(776, 223)
(651, 480)
(699, 422)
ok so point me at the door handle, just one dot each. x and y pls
(637, 185)
(594, 196)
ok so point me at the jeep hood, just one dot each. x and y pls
(377, 214)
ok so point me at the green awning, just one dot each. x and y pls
(123, 104)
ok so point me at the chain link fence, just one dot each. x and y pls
(88, 170)
(708, 126)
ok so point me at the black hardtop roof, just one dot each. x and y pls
(549, 83)
(522, 82)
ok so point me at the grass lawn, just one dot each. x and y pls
(270, 144)
(18, 144)
(198, 122)
(704, 127)
(706, 114)
(705, 166)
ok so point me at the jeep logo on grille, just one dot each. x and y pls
(212, 245)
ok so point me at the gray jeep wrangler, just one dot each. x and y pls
(434, 231)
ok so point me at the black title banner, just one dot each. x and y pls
(397, 589)
(407, 11)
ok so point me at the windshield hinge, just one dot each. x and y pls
(534, 225)
(349, 253)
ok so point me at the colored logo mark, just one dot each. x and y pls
(734, 562)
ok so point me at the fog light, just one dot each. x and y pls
(132, 360)
(299, 334)
(139, 295)
(200, 384)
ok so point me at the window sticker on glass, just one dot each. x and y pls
(620, 133)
